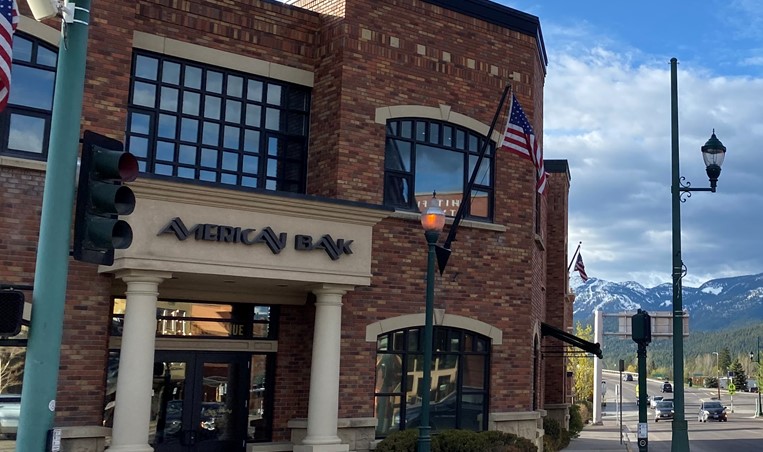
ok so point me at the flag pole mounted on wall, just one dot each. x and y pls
(443, 251)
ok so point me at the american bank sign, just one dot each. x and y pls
(276, 242)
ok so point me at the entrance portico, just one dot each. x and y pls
(222, 246)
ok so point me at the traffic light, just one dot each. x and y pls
(101, 198)
(11, 312)
(641, 327)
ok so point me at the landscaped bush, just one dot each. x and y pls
(555, 438)
(576, 421)
(457, 441)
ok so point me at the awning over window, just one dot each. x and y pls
(590, 347)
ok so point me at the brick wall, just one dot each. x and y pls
(365, 55)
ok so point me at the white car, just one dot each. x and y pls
(10, 408)
(654, 400)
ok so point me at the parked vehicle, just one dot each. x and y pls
(664, 411)
(712, 410)
(10, 409)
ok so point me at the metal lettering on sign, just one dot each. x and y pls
(643, 430)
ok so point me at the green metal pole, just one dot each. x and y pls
(680, 436)
(759, 408)
(425, 439)
(44, 346)
(643, 443)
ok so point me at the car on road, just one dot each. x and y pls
(628, 377)
(663, 411)
(653, 401)
(712, 409)
(10, 408)
(667, 387)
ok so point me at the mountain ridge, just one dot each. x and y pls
(722, 303)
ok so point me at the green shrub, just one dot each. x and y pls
(457, 441)
(576, 421)
(553, 434)
(399, 441)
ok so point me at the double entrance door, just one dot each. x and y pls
(199, 401)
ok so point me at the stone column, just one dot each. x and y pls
(323, 405)
(136, 362)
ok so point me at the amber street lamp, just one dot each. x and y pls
(432, 220)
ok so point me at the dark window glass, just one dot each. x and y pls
(426, 156)
(25, 122)
(459, 388)
(253, 131)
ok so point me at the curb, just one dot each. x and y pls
(626, 438)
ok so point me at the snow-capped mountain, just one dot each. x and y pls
(717, 304)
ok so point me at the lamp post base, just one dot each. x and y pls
(680, 438)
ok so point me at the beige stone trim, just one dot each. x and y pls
(442, 113)
(222, 345)
(229, 60)
(39, 30)
(413, 216)
(16, 162)
(413, 320)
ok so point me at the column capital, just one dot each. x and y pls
(331, 289)
(148, 276)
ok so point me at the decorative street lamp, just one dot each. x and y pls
(713, 153)
(432, 220)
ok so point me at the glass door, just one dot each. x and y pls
(199, 401)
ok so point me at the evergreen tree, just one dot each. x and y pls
(724, 360)
(740, 377)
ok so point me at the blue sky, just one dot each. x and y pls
(607, 111)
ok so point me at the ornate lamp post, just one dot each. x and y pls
(713, 153)
(432, 220)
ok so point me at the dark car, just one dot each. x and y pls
(712, 410)
(628, 377)
(663, 411)
(667, 387)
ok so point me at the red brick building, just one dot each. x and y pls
(273, 295)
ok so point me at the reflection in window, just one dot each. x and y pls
(426, 156)
(458, 394)
(209, 320)
(25, 123)
(237, 116)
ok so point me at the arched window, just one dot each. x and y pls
(424, 155)
(25, 122)
(460, 380)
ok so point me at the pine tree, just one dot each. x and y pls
(724, 360)
(740, 377)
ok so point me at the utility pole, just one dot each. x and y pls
(38, 403)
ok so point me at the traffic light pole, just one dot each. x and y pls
(44, 345)
(643, 435)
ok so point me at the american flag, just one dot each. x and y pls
(580, 268)
(9, 19)
(520, 139)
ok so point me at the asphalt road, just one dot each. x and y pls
(742, 433)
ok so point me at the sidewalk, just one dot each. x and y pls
(603, 438)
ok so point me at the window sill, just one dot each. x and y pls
(17, 162)
(405, 215)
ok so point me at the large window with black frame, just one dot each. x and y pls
(460, 380)
(193, 122)
(25, 122)
(423, 156)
